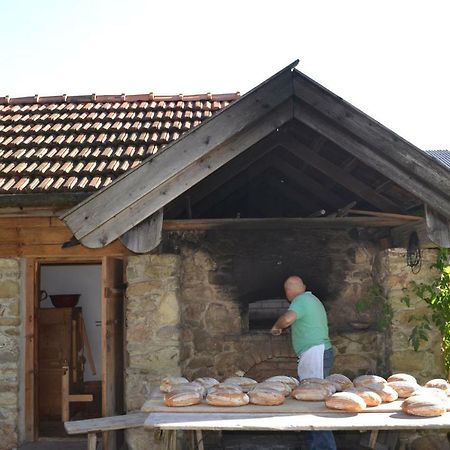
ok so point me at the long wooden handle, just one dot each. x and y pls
(86, 343)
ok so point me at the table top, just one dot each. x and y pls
(294, 422)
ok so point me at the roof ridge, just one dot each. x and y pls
(94, 98)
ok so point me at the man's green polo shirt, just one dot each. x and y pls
(311, 326)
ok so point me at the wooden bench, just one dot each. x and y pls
(104, 424)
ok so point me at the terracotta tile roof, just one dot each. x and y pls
(82, 143)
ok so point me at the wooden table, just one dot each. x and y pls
(291, 416)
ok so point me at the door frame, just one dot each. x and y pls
(31, 366)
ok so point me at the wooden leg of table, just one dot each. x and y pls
(373, 438)
(92, 441)
(199, 436)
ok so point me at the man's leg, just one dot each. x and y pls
(322, 440)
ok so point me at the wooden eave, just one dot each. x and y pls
(287, 97)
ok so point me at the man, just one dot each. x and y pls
(309, 333)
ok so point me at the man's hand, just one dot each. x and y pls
(276, 331)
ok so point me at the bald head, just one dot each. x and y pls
(294, 286)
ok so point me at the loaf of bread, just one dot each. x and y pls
(435, 392)
(340, 382)
(368, 379)
(424, 405)
(370, 398)
(404, 389)
(226, 388)
(387, 393)
(244, 383)
(168, 383)
(207, 382)
(266, 396)
(194, 385)
(290, 381)
(346, 401)
(312, 392)
(319, 382)
(179, 397)
(226, 397)
(277, 385)
(439, 383)
(401, 377)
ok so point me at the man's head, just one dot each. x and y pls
(294, 286)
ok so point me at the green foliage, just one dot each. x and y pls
(436, 295)
(375, 299)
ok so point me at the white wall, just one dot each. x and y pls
(84, 280)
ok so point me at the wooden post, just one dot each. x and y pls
(373, 439)
(65, 413)
(92, 441)
(199, 436)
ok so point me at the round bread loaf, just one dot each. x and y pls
(312, 392)
(290, 381)
(195, 385)
(341, 382)
(182, 398)
(435, 392)
(439, 383)
(346, 401)
(222, 397)
(168, 383)
(231, 388)
(266, 396)
(207, 382)
(401, 377)
(319, 382)
(424, 405)
(277, 385)
(243, 382)
(404, 389)
(387, 393)
(368, 379)
(370, 398)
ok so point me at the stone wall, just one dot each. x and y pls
(9, 352)
(394, 275)
(152, 332)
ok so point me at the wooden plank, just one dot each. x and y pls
(105, 225)
(112, 345)
(127, 192)
(146, 235)
(291, 406)
(279, 223)
(438, 227)
(295, 422)
(31, 366)
(388, 144)
(304, 180)
(335, 172)
(404, 175)
(92, 441)
(405, 217)
(131, 420)
(65, 405)
(81, 398)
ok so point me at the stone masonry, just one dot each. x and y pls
(9, 352)
(152, 332)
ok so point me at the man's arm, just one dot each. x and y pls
(284, 321)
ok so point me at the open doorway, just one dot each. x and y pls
(69, 346)
(77, 343)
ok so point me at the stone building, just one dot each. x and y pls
(188, 213)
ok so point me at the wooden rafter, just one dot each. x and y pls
(336, 173)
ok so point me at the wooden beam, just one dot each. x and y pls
(315, 188)
(279, 223)
(140, 192)
(402, 172)
(225, 174)
(383, 141)
(329, 169)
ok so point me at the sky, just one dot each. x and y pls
(391, 59)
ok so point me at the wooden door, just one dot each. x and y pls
(112, 346)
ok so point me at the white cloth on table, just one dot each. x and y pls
(310, 363)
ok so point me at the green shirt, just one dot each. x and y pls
(311, 326)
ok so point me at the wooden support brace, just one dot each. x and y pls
(92, 441)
